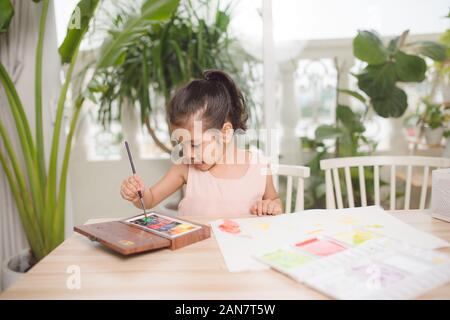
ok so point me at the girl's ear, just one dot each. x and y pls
(227, 131)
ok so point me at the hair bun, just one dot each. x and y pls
(215, 75)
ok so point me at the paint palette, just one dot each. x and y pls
(162, 225)
(140, 234)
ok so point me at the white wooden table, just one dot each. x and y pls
(194, 272)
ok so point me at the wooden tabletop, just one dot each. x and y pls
(194, 272)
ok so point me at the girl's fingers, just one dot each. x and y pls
(132, 187)
(129, 192)
(265, 207)
(139, 182)
(260, 208)
(125, 196)
(270, 208)
(254, 208)
(134, 182)
(277, 210)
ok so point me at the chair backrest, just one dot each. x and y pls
(333, 185)
(291, 172)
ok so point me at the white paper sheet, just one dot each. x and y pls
(261, 234)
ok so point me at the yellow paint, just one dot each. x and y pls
(348, 220)
(362, 236)
(355, 237)
(264, 226)
(376, 226)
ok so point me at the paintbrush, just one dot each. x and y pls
(141, 198)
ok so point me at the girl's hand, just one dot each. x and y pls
(130, 187)
(267, 207)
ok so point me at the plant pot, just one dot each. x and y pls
(15, 267)
(433, 137)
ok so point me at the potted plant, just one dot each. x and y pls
(434, 120)
(431, 120)
(39, 188)
(166, 56)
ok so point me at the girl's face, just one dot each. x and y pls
(202, 149)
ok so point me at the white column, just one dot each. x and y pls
(290, 114)
(270, 115)
(131, 127)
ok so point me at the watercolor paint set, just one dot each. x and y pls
(145, 232)
(164, 226)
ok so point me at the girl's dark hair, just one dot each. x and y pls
(215, 97)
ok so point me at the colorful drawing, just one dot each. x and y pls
(377, 276)
(349, 220)
(285, 259)
(263, 226)
(374, 226)
(355, 237)
(320, 247)
(230, 226)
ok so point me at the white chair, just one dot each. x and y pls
(332, 166)
(291, 172)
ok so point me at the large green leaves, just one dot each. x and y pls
(392, 104)
(351, 120)
(433, 50)
(327, 131)
(354, 94)
(389, 66)
(6, 14)
(78, 26)
(135, 27)
(409, 68)
(368, 47)
(376, 80)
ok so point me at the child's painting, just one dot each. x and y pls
(320, 247)
(162, 225)
(285, 259)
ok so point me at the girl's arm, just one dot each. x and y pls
(173, 180)
(270, 203)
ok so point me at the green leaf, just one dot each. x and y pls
(392, 105)
(151, 11)
(377, 80)
(222, 21)
(409, 68)
(6, 14)
(350, 119)
(433, 50)
(78, 25)
(368, 47)
(354, 94)
(327, 132)
(393, 45)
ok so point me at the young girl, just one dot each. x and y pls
(221, 179)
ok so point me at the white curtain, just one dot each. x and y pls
(17, 53)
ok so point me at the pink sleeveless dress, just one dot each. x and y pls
(207, 195)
